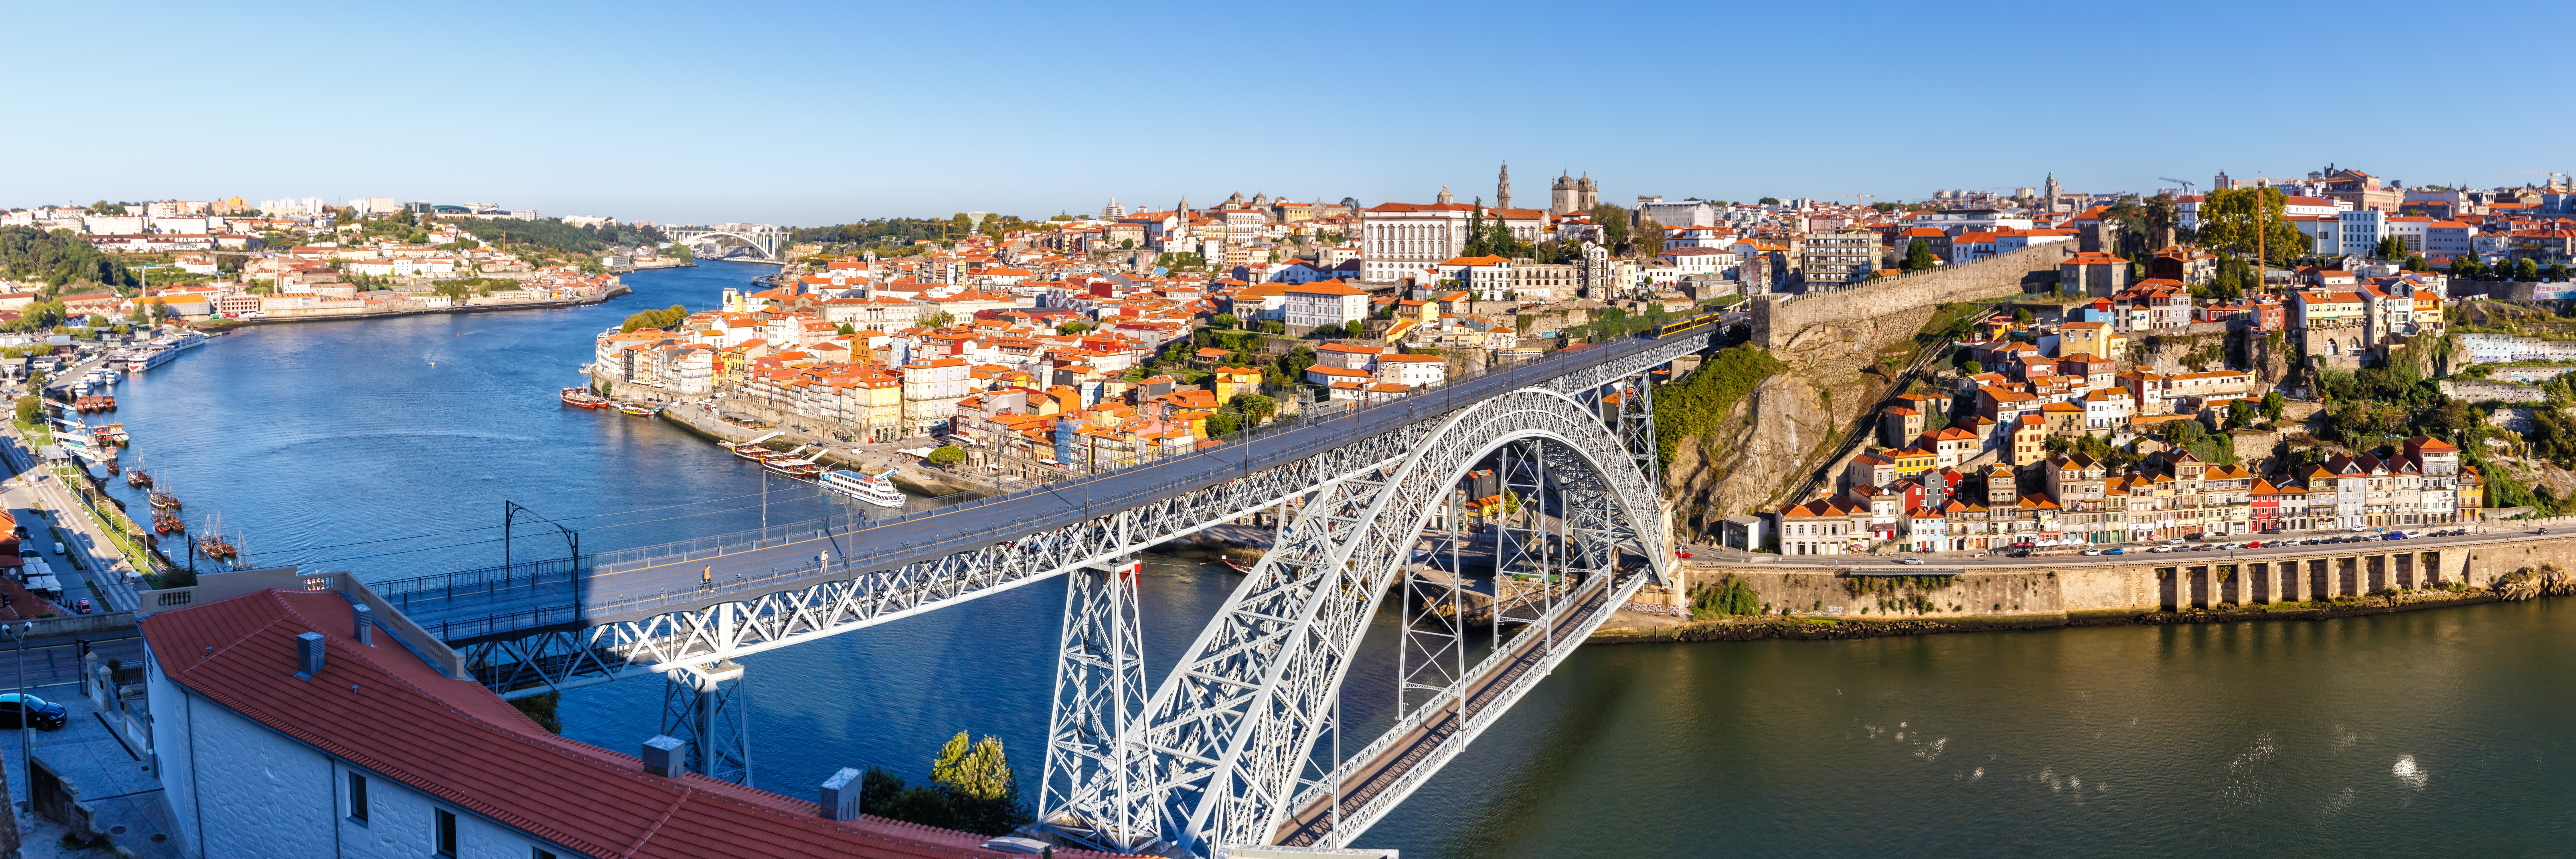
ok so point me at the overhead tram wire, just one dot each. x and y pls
(566, 519)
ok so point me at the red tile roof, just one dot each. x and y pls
(383, 709)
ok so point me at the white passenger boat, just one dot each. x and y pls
(875, 489)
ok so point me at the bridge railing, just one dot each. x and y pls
(480, 580)
(859, 553)
(503, 622)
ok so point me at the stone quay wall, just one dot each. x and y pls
(2135, 583)
(1779, 319)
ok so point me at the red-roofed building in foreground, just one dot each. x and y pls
(364, 748)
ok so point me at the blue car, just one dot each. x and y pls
(2115, 551)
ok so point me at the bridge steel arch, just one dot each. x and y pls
(771, 242)
(1215, 757)
(695, 640)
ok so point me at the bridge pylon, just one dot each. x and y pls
(1094, 786)
(707, 707)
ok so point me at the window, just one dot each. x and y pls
(445, 837)
(357, 797)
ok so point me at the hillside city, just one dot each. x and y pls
(2159, 386)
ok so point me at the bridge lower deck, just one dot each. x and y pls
(1309, 825)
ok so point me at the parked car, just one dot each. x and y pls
(1680, 554)
(81, 607)
(2092, 551)
(1909, 560)
(2393, 535)
(43, 715)
(2115, 551)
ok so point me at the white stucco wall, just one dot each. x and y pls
(267, 796)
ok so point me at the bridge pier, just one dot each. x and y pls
(1093, 777)
(708, 708)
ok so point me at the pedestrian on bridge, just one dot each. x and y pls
(707, 579)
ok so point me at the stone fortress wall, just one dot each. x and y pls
(1779, 319)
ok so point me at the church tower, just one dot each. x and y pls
(1587, 193)
(1503, 188)
(2051, 191)
(1444, 195)
(1560, 196)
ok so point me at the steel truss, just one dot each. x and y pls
(705, 708)
(1327, 505)
(1224, 739)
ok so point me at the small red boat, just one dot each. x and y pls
(583, 398)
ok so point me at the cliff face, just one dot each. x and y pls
(1763, 445)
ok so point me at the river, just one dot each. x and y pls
(388, 447)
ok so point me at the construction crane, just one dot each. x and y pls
(2553, 175)
(2186, 184)
(1858, 200)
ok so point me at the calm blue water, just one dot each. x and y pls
(2432, 733)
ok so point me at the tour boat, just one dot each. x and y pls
(163, 500)
(875, 489)
(137, 477)
(1231, 565)
(117, 433)
(794, 466)
(753, 450)
(164, 523)
(583, 398)
(213, 545)
(637, 409)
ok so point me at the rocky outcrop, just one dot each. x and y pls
(2269, 356)
(2529, 583)
(1763, 445)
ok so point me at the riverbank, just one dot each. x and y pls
(911, 475)
(1630, 627)
(212, 326)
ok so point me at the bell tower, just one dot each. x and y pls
(1503, 188)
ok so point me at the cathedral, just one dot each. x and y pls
(1570, 194)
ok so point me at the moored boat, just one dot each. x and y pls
(754, 449)
(163, 500)
(794, 466)
(638, 409)
(877, 489)
(583, 398)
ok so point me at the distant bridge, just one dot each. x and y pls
(770, 241)
(1224, 751)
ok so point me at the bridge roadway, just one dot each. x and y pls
(1366, 781)
(615, 589)
(2136, 554)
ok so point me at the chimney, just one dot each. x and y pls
(840, 799)
(665, 756)
(364, 618)
(308, 656)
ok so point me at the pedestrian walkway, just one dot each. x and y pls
(108, 770)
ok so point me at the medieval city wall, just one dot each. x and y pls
(1778, 319)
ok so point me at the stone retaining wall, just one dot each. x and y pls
(2139, 583)
(1778, 319)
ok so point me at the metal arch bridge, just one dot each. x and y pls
(769, 240)
(1222, 751)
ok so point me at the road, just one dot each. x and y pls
(628, 591)
(2136, 553)
(1309, 825)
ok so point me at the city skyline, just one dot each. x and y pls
(725, 119)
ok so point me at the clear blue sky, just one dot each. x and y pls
(821, 113)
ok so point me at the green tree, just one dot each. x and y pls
(29, 408)
(980, 785)
(1255, 407)
(2415, 262)
(947, 455)
(2240, 219)
(940, 319)
(1972, 368)
(1072, 328)
(664, 319)
(2389, 248)
(2240, 413)
(846, 329)
(1220, 424)
(2525, 269)
(1918, 257)
(1769, 201)
(1225, 320)
(1326, 331)
(2273, 403)
(2022, 315)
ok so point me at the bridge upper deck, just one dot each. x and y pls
(636, 583)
